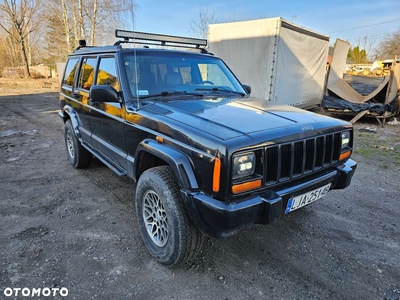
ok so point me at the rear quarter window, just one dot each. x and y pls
(70, 71)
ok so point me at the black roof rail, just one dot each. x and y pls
(159, 39)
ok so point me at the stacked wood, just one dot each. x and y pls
(378, 72)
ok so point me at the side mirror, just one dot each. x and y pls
(247, 88)
(103, 93)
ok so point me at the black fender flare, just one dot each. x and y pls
(73, 116)
(178, 161)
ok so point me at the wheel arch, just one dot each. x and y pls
(151, 153)
(69, 113)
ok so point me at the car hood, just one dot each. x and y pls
(227, 118)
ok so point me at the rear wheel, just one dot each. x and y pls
(78, 156)
(166, 229)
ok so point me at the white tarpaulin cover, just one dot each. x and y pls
(338, 62)
(282, 62)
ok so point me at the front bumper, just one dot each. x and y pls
(219, 219)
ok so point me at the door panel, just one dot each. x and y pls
(81, 95)
(107, 118)
(74, 98)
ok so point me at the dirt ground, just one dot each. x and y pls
(77, 230)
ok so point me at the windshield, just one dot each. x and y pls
(162, 73)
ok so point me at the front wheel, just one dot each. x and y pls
(164, 224)
(78, 156)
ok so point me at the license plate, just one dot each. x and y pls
(307, 198)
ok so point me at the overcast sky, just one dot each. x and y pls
(350, 20)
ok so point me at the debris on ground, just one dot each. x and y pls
(368, 129)
(394, 122)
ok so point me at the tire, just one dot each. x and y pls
(78, 156)
(164, 224)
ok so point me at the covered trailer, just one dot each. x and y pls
(281, 61)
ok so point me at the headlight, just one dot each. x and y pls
(345, 139)
(243, 165)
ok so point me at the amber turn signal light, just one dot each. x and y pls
(344, 155)
(216, 174)
(243, 187)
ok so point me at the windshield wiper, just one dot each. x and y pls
(220, 89)
(170, 93)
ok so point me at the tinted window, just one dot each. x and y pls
(70, 71)
(107, 74)
(87, 73)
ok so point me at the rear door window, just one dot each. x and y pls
(87, 73)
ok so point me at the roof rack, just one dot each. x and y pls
(158, 39)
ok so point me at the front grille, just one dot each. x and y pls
(292, 160)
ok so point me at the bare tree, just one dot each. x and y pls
(199, 27)
(59, 32)
(389, 46)
(12, 57)
(18, 21)
(49, 40)
(109, 15)
(81, 23)
(90, 19)
(65, 22)
(93, 20)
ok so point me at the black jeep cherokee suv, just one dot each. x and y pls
(207, 158)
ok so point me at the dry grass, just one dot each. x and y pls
(381, 146)
(27, 86)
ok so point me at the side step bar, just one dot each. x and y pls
(117, 170)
